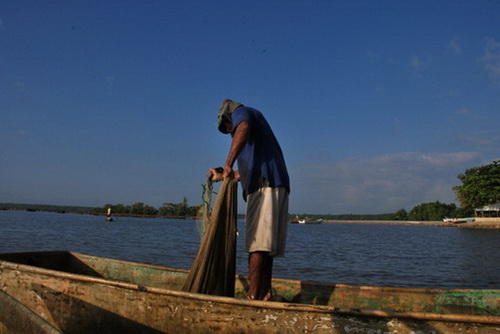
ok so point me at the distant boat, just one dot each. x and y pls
(108, 216)
(306, 221)
(454, 220)
(310, 221)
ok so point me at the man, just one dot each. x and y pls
(266, 185)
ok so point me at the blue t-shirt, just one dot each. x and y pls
(261, 162)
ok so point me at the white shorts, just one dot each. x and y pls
(267, 221)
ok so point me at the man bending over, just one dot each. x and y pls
(266, 185)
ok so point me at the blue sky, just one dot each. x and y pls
(378, 105)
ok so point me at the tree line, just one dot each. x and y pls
(181, 209)
(431, 211)
(423, 212)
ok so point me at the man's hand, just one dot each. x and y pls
(216, 174)
(219, 174)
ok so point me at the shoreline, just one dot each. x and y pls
(93, 213)
(483, 223)
(479, 222)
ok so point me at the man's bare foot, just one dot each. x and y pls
(268, 296)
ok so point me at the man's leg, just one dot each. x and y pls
(260, 267)
(266, 208)
(255, 269)
(267, 275)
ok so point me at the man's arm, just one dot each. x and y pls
(240, 138)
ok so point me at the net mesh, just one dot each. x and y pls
(214, 268)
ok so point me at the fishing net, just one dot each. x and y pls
(203, 215)
(214, 268)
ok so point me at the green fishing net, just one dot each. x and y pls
(214, 268)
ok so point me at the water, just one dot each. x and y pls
(383, 255)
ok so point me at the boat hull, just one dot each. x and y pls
(17, 318)
(109, 296)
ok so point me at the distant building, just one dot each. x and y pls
(491, 210)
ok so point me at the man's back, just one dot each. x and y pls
(261, 162)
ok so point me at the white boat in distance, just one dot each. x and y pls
(456, 220)
(310, 221)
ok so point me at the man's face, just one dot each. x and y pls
(227, 127)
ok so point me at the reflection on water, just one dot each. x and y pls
(409, 256)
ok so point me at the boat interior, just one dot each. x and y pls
(480, 302)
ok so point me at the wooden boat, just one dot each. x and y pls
(77, 293)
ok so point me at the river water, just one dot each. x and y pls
(382, 255)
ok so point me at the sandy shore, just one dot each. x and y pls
(490, 223)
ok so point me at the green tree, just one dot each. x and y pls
(178, 209)
(401, 215)
(149, 210)
(118, 208)
(168, 209)
(183, 207)
(137, 208)
(480, 186)
(140, 208)
(432, 211)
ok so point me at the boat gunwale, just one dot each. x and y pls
(288, 306)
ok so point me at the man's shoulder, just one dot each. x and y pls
(243, 109)
(247, 112)
(244, 114)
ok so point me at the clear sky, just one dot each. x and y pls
(378, 105)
